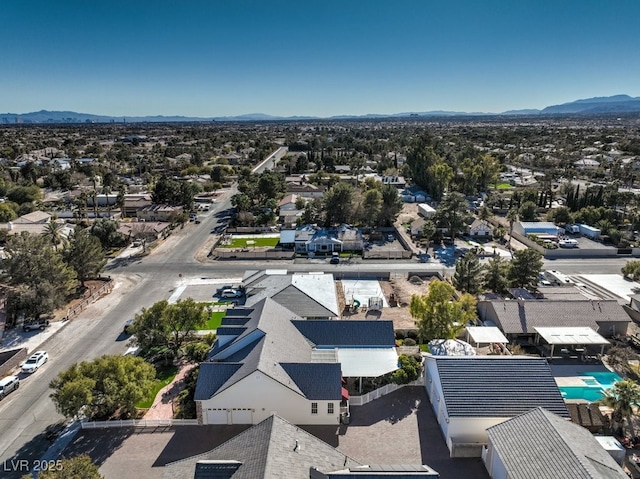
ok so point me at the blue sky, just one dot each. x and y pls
(307, 57)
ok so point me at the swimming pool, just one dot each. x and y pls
(594, 385)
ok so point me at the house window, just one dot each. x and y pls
(314, 408)
(330, 408)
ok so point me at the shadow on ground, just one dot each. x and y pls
(23, 461)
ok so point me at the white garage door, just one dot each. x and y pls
(216, 416)
(241, 416)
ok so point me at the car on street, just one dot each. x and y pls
(8, 384)
(127, 326)
(33, 363)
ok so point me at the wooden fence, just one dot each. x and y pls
(95, 295)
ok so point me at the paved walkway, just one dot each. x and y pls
(162, 407)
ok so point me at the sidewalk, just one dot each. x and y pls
(16, 338)
(162, 407)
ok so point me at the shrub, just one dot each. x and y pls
(409, 342)
(401, 334)
(412, 334)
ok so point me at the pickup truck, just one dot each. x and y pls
(40, 323)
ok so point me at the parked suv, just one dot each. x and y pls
(34, 362)
(8, 384)
(36, 324)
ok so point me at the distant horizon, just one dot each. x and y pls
(213, 58)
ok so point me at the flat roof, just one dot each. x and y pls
(367, 362)
(571, 335)
(486, 334)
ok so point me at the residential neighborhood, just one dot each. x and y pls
(321, 299)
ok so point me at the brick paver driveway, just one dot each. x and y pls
(402, 428)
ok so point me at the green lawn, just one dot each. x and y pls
(503, 186)
(214, 321)
(257, 242)
(164, 376)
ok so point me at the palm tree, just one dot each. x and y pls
(512, 217)
(53, 232)
(623, 397)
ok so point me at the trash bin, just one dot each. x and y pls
(345, 418)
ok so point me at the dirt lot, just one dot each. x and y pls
(399, 288)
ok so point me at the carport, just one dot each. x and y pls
(576, 338)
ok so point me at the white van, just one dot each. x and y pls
(568, 243)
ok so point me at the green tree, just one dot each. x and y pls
(468, 275)
(107, 232)
(428, 231)
(561, 215)
(31, 262)
(181, 320)
(631, 270)
(338, 204)
(7, 213)
(437, 314)
(409, 370)
(197, 351)
(525, 268)
(512, 217)
(441, 175)
(623, 398)
(24, 194)
(495, 275)
(53, 232)
(98, 389)
(85, 255)
(168, 325)
(78, 467)
(451, 213)
(528, 211)
(391, 206)
(241, 201)
(371, 207)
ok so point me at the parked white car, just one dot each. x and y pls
(34, 361)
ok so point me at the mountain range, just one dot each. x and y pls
(589, 106)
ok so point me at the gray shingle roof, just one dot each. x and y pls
(541, 445)
(518, 317)
(497, 386)
(347, 333)
(320, 381)
(211, 377)
(268, 450)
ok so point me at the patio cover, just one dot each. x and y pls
(485, 335)
(571, 336)
(582, 336)
(367, 362)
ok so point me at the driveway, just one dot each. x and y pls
(401, 428)
(398, 428)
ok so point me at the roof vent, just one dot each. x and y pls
(296, 448)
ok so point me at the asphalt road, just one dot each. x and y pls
(26, 413)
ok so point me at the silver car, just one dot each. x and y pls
(34, 361)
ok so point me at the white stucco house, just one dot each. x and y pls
(267, 360)
(470, 394)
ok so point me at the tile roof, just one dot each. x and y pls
(211, 377)
(541, 445)
(267, 342)
(311, 378)
(520, 317)
(487, 386)
(273, 449)
(347, 333)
